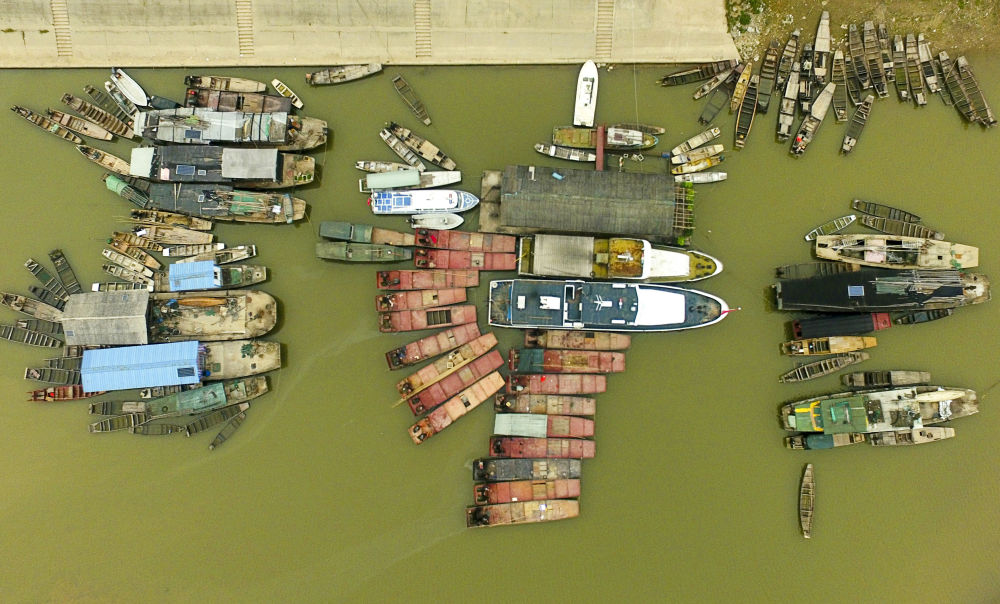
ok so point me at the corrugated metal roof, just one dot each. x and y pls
(186, 276)
(140, 366)
(106, 318)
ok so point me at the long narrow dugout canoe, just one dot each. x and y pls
(457, 259)
(454, 408)
(414, 320)
(546, 404)
(519, 447)
(525, 490)
(453, 383)
(431, 346)
(548, 383)
(542, 360)
(426, 279)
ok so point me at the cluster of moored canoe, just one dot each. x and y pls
(862, 283)
(813, 77)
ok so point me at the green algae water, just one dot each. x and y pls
(322, 497)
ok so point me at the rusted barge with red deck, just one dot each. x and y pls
(418, 299)
(492, 469)
(60, 393)
(465, 240)
(525, 490)
(521, 512)
(542, 426)
(576, 340)
(518, 446)
(555, 383)
(452, 384)
(455, 259)
(431, 346)
(425, 279)
(430, 318)
(446, 365)
(545, 404)
(544, 360)
(454, 408)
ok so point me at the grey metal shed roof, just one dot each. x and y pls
(114, 318)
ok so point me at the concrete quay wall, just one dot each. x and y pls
(167, 33)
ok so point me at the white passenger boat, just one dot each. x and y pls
(421, 201)
(586, 95)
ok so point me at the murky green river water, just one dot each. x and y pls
(321, 496)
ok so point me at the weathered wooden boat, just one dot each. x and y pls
(120, 286)
(454, 408)
(857, 124)
(942, 64)
(896, 251)
(123, 102)
(838, 75)
(52, 394)
(518, 447)
(811, 123)
(853, 85)
(31, 307)
(698, 165)
(408, 179)
(421, 146)
(544, 360)
(899, 227)
(222, 100)
(410, 98)
(363, 233)
(767, 76)
(159, 102)
(857, 51)
(224, 83)
(807, 501)
(435, 221)
(424, 279)
(873, 59)
(460, 259)
(381, 166)
(806, 84)
(586, 95)
(885, 50)
(953, 83)
(696, 154)
(400, 149)
(615, 139)
(554, 383)
(696, 73)
(977, 101)
(701, 177)
(921, 316)
(740, 87)
(211, 315)
(885, 379)
(507, 469)
(899, 67)
(212, 418)
(104, 100)
(49, 282)
(341, 74)
(913, 75)
(712, 84)
(253, 168)
(239, 358)
(429, 318)
(136, 241)
(491, 493)
(40, 325)
(545, 404)
(79, 125)
(210, 397)
(545, 255)
(420, 201)
(287, 92)
(565, 152)
(140, 216)
(97, 115)
(117, 270)
(46, 297)
(431, 346)
(29, 337)
(833, 364)
(719, 97)
(883, 211)
(202, 126)
(350, 251)
(129, 87)
(227, 430)
(104, 159)
(46, 124)
(842, 324)
(788, 108)
(748, 109)
(576, 340)
(453, 383)
(696, 141)
(542, 426)
(465, 240)
(866, 411)
(128, 262)
(65, 272)
(874, 289)
(207, 202)
(419, 298)
(927, 65)
(53, 375)
(172, 235)
(521, 512)
(191, 249)
(821, 51)
(915, 436)
(789, 56)
(827, 345)
(647, 128)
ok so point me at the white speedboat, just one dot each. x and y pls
(586, 95)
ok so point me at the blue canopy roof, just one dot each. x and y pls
(186, 276)
(140, 366)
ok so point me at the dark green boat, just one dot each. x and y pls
(350, 251)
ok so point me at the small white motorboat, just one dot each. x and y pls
(129, 87)
(586, 96)
(440, 221)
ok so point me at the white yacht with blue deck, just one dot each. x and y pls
(421, 201)
(602, 306)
